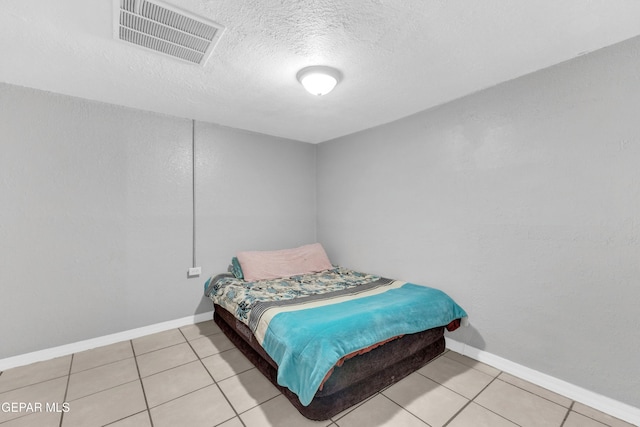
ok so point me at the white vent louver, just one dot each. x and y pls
(166, 29)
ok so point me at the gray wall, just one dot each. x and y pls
(254, 192)
(95, 214)
(523, 203)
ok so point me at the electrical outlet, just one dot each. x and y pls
(194, 272)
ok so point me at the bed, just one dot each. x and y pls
(329, 339)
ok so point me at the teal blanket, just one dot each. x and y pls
(307, 339)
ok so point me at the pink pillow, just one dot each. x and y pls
(261, 265)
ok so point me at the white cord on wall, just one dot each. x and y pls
(193, 184)
(194, 271)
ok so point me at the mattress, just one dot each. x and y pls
(357, 379)
(302, 332)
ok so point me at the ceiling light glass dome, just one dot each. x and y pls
(319, 80)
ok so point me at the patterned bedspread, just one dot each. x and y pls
(307, 323)
(239, 297)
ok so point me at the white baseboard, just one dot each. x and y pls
(597, 401)
(64, 350)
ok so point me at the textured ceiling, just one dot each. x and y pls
(397, 57)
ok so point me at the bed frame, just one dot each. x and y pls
(357, 379)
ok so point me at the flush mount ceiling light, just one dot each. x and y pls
(318, 79)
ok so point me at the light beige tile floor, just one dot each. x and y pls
(194, 376)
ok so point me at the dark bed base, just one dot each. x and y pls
(357, 379)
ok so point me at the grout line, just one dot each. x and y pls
(111, 387)
(66, 390)
(213, 379)
(167, 369)
(225, 421)
(350, 409)
(182, 395)
(473, 401)
(492, 411)
(564, 420)
(261, 403)
(157, 349)
(606, 423)
(32, 384)
(470, 400)
(450, 389)
(457, 413)
(105, 389)
(403, 408)
(104, 364)
(475, 362)
(124, 418)
(144, 393)
(531, 392)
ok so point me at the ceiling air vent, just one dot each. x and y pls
(164, 28)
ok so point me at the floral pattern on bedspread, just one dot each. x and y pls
(239, 297)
